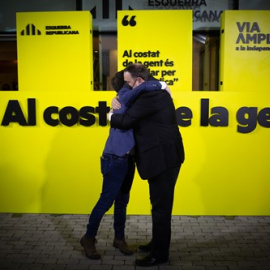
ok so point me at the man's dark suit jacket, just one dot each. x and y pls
(158, 140)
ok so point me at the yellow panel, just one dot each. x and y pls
(161, 40)
(55, 51)
(245, 51)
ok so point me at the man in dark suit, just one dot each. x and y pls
(159, 153)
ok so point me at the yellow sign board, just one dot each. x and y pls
(161, 40)
(52, 164)
(51, 142)
(55, 51)
(245, 50)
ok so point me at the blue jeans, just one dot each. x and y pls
(118, 173)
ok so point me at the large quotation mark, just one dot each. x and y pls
(131, 22)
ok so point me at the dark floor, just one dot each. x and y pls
(43, 241)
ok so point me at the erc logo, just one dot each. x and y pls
(30, 30)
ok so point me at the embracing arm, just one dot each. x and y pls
(140, 109)
(127, 97)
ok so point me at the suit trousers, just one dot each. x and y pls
(161, 189)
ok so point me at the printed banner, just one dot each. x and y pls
(51, 145)
(245, 51)
(161, 40)
(51, 142)
(55, 51)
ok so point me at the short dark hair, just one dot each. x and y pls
(138, 70)
(118, 80)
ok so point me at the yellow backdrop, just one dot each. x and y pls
(56, 169)
(51, 143)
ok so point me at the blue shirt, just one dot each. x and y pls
(120, 141)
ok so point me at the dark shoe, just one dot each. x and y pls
(89, 247)
(149, 261)
(146, 248)
(122, 245)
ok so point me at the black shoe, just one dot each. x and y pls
(149, 261)
(146, 248)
